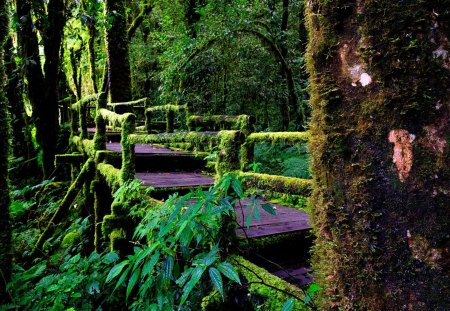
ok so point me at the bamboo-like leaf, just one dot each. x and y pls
(216, 279)
(115, 271)
(288, 305)
(195, 277)
(132, 281)
(228, 270)
(269, 208)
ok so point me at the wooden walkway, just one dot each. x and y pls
(287, 220)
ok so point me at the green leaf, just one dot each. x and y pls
(184, 277)
(256, 213)
(269, 208)
(288, 305)
(132, 281)
(148, 266)
(313, 288)
(195, 277)
(115, 271)
(229, 271)
(168, 267)
(248, 221)
(216, 279)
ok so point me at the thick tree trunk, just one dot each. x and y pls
(380, 76)
(5, 232)
(22, 146)
(52, 44)
(117, 48)
(42, 92)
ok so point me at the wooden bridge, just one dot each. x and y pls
(143, 153)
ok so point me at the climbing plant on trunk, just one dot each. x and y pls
(5, 232)
(380, 72)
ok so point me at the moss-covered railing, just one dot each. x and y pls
(127, 123)
(79, 115)
(228, 143)
(278, 184)
(169, 110)
(131, 106)
(243, 123)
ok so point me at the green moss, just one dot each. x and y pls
(128, 106)
(100, 124)
(70, 239)
(243, 123)
(195, 138)
(170, 111)
(228, 155)
(85, 146)
(279, 137)
(111, 174)
(79, 115)
(275, 183)
(128, 159)
(262, 283)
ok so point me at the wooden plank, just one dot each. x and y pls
(287, 220)
(170, 180)
(144, 149)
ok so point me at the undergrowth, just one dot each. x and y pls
(280, 159)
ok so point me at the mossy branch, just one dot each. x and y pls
(86, 172)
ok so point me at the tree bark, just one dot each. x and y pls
(5, 225)
(21, 145)
(118, 47)
(42, 92)
(380, 76)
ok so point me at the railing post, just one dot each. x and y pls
(100, 123)
(228, 156)
(170, 120)
(83, 120)
(128, 160)
(247, 154)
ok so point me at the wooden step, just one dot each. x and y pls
(287, 220)
(151, 158)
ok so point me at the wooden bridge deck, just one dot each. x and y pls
(287, 220)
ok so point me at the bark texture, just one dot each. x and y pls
(5, 232)
(380, 76)
(118, 48)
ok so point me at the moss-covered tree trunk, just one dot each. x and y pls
(5, 232)
(119, 77)
(380, 79)
(42, 89)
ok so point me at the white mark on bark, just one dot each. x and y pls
(365, 79)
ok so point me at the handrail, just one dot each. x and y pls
(127, 122)
(170, 115)
(248, 148)
(244, 123)
(79, 115)
(228, 143)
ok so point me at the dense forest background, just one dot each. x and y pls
(361, 87)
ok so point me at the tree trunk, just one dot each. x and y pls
(5, 225)
(43, 93)
(22, 146)
(117, 48)
(380, 76)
